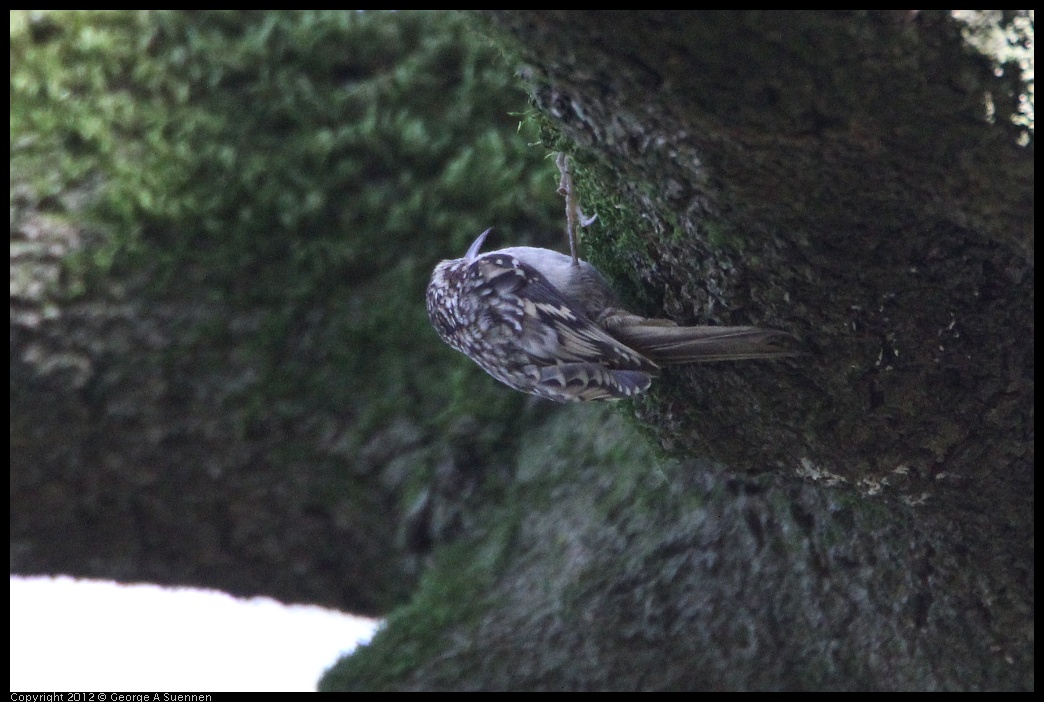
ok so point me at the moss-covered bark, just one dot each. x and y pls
(233, 383)
(840, 176)
(222, 226)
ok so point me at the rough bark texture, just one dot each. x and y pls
(836, 175)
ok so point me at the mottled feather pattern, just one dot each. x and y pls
(502, 310)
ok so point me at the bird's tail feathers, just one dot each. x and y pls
(672, 344)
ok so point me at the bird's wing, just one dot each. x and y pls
(553, 329)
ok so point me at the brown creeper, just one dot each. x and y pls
(542, 324)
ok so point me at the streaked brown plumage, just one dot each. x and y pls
(541, 324)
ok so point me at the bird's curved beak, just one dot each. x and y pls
(474, 248)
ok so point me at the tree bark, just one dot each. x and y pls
(870, 524)
(860, 517)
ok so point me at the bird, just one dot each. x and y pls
(549, 324)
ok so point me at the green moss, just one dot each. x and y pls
(616, 239)
(452, 596)
(716, 236)
(311, 164)
(585, 455)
